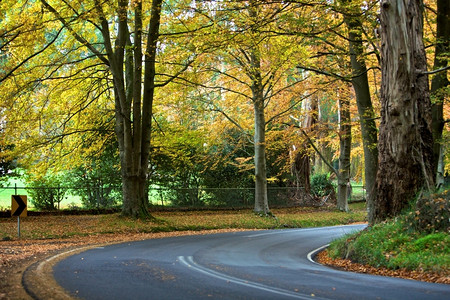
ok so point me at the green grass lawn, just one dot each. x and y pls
(390, 245)
(7, 189)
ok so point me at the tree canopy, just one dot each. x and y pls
(183, 89)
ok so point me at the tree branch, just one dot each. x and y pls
(78, 37)
(433, 72)
(176, 75)
(31, 56)
(314, 147)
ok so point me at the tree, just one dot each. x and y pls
(70, 56)
(345, 145)
(45, 191)
(405, 143)
(439, 83)
(352, 18)
(250, 68)
(97, 181)
(346, 37)
(301, 161)
(123, 55)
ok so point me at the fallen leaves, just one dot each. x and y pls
(65, 226)
(348, 265)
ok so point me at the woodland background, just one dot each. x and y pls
(228, 80)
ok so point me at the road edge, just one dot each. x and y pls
(39, 282)
(312, 255)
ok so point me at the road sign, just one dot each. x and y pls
(18, 206)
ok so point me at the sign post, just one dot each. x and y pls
(18, 209)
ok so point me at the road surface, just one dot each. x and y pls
(242, 265)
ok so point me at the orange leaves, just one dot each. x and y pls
(348, 265)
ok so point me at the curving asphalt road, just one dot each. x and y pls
(243, 265)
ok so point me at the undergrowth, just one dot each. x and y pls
(417, 240)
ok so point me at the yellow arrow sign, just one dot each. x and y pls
(18, 206)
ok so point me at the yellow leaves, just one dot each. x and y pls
(244, 163)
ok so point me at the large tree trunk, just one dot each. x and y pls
(133, 109)
(345, 141)
(439, 82)
(405, 145)
(360, 84)
(132, 104)
(134, 188)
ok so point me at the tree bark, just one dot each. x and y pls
(366, 113)
(261, 200)
(345, 142)
(439, 82)
(405, 144)
(301, 164)
(133, 107)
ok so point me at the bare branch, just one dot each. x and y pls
(434, 71)
(290, 107)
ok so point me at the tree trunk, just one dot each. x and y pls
(439, 82)
(257, 87)
(301, 165)
(261, 200)
(134, 188)
(360, 84)
(405, 145)
(134, 136)
(301, 169)
(345, 142)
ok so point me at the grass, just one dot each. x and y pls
(358, 192)
(7, 189)
(393, 245)
(46, 227)
(6, 193)
(419, 239)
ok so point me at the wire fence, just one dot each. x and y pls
(63, 197)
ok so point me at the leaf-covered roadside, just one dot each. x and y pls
(415, 244)
(348, 265)
(51, 227)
